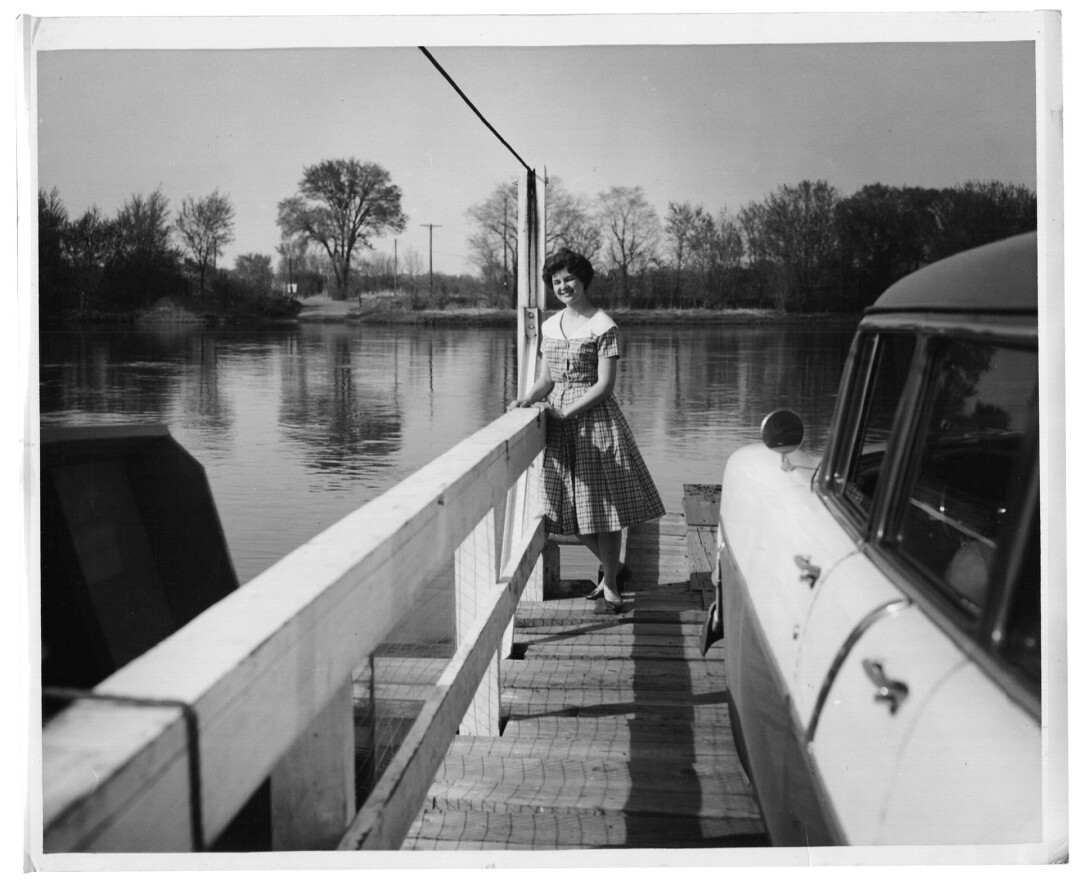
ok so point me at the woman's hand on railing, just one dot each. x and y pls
(553, 412)
(539, 405)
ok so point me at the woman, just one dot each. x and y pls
(595, 481)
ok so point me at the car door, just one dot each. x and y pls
(768, 518)
(782, 549)
(865, 438)
(970, 771)
(867, 704)
(925, 722)
(917, 744)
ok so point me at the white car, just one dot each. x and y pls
(881, 602)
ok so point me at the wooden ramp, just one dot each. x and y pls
(618, 732)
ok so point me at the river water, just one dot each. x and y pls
(297, 427)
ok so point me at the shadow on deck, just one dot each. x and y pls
(617, 731)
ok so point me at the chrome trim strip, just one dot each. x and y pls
(890, 608)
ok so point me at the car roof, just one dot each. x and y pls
(999, 277)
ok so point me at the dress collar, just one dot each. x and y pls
(599, 323)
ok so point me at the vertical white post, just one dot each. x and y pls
(476, 564)
(533, 591)
(313, 788)
(530, 283)
(531, 300)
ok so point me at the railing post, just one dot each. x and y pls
(530, 498)
(476, 573)
(548, 582)
(532, 234)
(313, 788)
(530, 282)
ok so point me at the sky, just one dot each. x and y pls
(720, 123)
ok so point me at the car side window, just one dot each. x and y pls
(965, 479)
(887, 362)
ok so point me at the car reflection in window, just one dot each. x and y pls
(964, 480)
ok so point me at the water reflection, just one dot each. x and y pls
(297, 427)
(339, 404)
(201, 400)
(695, 395)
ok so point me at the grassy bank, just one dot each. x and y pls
(186, 310)
(386, 309)
(484, 317)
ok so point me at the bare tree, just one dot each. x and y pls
(412, 262)
(292, 250)
(632, 230)
(320, 265)
(143, 254)
(378, 269)
(342, 204)
(53, 268)
(255, 270)
(568, 222)
(205, 227)
(89, 243)
(679, 225)
(794, 233)
(494, 243)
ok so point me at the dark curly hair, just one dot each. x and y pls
(570, 261)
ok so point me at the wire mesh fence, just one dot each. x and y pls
(392, 686)
(389, 692)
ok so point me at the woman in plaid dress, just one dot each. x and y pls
(595, 481)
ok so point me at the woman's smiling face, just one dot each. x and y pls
(568, 287)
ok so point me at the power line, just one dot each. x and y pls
(465, 98)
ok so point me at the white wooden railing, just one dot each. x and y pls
(166, 751)
(260, 685)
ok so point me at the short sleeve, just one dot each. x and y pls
(607, 344)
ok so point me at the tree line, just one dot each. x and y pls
(98, 266)
(95, 266)
(803, 248)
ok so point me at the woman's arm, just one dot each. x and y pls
(540, 389)
(603, 387)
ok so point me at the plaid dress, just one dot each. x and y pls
(594, 478)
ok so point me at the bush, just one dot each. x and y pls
(235, 294)
(275, 306)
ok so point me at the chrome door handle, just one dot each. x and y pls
(810, 573)
(889, 691)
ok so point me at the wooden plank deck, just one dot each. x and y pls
(617, 731)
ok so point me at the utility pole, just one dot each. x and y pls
(431, 272)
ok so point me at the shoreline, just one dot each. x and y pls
(170, 314)
(623, 317)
